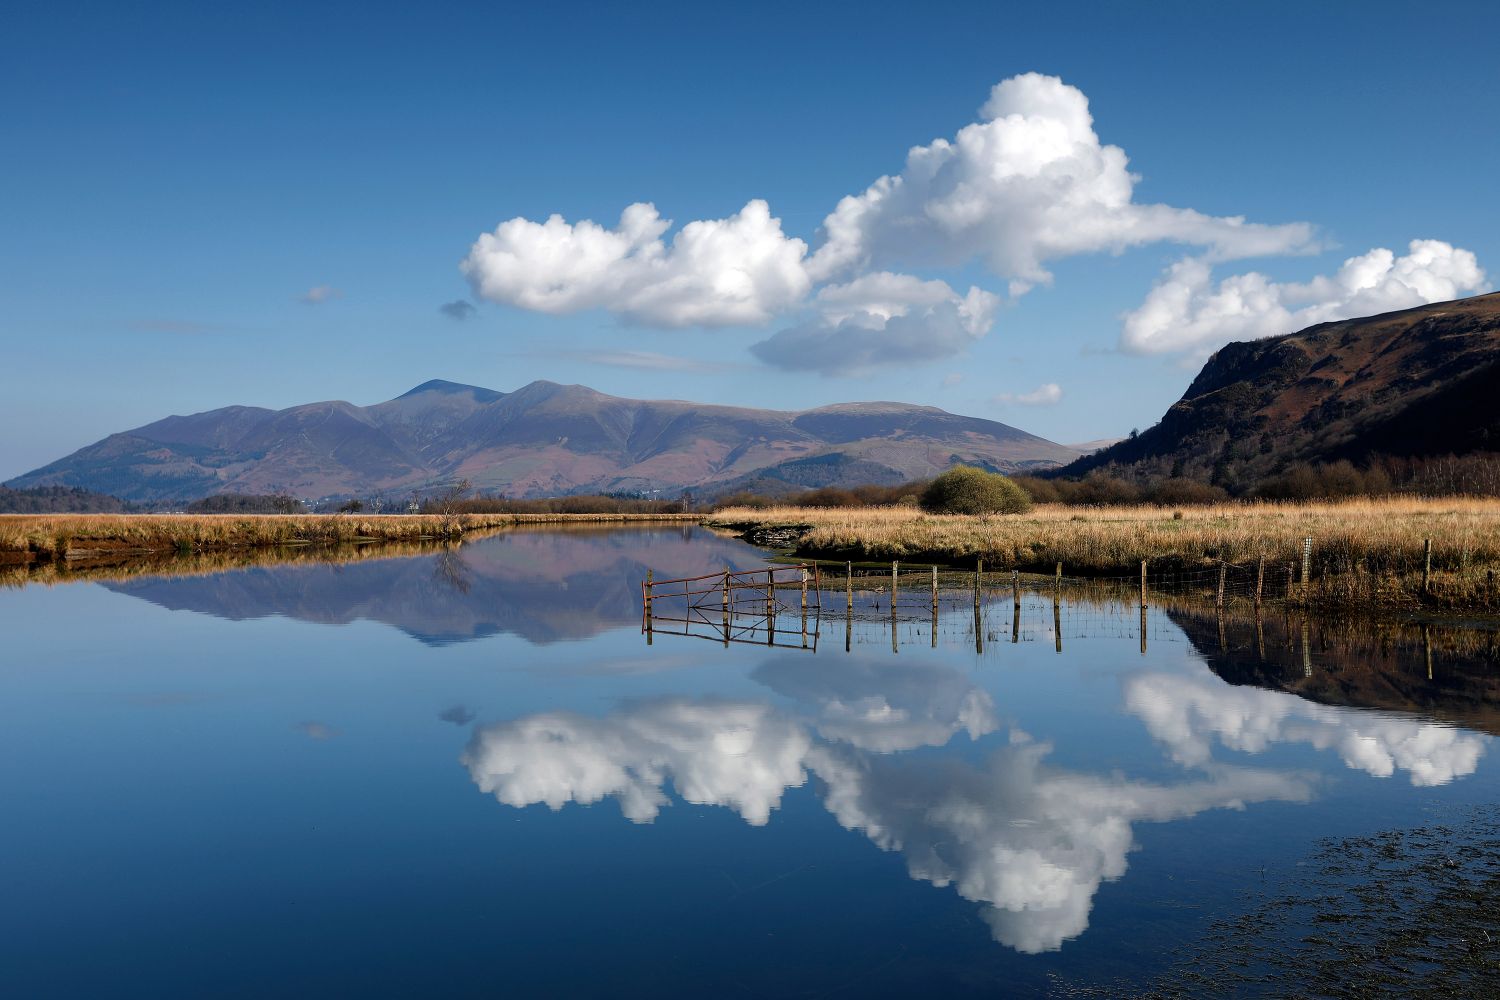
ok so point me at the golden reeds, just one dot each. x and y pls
(1379, 541)
(46, 537)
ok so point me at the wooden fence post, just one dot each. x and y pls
(1260, 580)
(1426, 564)
(1306, 565)
(849, 586)
(895, 570)
(803, 575)
(1143, 584)
(1015, 586)
(1219, 596)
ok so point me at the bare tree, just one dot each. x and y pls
(282, 501)
(447, 504)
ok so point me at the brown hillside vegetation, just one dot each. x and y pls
(1417, 383)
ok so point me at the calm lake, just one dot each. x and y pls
(467, 773)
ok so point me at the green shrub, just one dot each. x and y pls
(966, 490)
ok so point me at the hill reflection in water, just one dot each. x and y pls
(1447, 673)
(544, 585)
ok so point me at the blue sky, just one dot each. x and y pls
(177, 180)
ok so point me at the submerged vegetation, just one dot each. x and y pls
(1403, 912)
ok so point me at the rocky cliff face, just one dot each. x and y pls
(1419, 382)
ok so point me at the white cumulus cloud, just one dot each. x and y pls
(1188, 311)
(878, 320)
(717, 272)
(1029, 183)
(1046, 394)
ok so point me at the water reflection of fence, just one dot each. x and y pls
(784, 606)
(928, 600)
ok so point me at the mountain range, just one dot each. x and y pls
(1415, 383)
(543, 439)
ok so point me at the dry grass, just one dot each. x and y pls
(1376, 543)
(127, 566)
(49, 537)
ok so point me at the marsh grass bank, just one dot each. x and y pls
(29, 539)
(124, 566)
(1368, 552)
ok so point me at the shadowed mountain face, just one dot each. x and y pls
(544, 586)
(543, 439)
(1418, 382)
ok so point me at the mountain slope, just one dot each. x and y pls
(544, 439)
(1417, 382)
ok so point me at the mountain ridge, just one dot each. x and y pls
(1412, 383)
(542, 439)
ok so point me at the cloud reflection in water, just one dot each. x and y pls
(1187, 713)
(1031, 843)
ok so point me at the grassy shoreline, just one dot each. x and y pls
(43, 538)
(1364, 552)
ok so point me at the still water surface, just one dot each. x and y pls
(466, 773)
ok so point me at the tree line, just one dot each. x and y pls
(1475, 474)
(1463, 475)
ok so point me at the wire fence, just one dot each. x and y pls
(792, 605)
